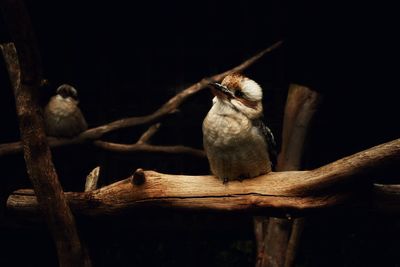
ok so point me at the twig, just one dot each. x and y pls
(91, 179)
(149, 133)
(292, 191)
(25, 72)
(169, 107)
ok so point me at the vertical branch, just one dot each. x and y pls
(24, 70)
(147, 135)
(92, 179)
(294, 241)
(281, 238)
(295, 147)
(260, 231)
(301, 105)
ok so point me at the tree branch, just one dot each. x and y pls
(134, 148)
(24, 68)
(301, 104)
(147, 135)
(285, 191)
(169, 107)
(298, 121)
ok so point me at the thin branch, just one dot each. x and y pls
(16, 147)
(10, 148)
(134, 148)
(169, 107)
(280, 191)
(147, 135)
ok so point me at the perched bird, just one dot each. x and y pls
(62, 116)
(237, 143)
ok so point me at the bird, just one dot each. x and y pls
(237, 142)
(62, 116)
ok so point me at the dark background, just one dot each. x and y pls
(128, 59)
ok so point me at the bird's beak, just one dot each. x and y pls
(220, 91)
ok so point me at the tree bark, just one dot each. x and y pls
(92, 179)
(294, 241)
(291, 192)
(300, 108)
(25, 75)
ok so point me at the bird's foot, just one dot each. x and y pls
(225, 180)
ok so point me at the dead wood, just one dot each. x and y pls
(291, 191)
(24, 67)
(147, 135)
(92, 179)
(122, 148)
(301, 105)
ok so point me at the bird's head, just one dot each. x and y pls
(66, 91)
(239, 93)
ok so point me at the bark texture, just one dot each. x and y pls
(278, 245)
(24, 68)
(291, 192)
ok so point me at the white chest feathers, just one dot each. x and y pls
(235, 148)
(63, 117)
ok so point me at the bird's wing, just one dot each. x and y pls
(269, 137)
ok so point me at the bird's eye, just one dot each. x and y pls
(239, 93)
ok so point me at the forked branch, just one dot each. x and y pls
(169, 107)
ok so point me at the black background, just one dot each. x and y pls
(128, 59)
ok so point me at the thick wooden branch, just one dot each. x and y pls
(24, 68)
(286, 191)
(169, 107)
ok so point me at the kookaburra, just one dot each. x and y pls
(62, 116)
(237, 143)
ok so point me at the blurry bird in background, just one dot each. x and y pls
(237, 143)
(62, 116)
